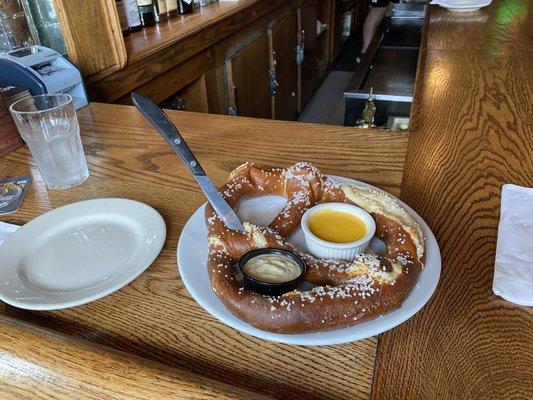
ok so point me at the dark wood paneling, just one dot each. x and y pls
(216, 92)
(173, 80)
(155, 50)
(336, 29)
(9, 136)
(194, 96)
(249, 79)
(307, 16)
(324, 40)
(283, 38)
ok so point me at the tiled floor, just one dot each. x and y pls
(327, 105)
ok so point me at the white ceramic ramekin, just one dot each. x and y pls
(344, 251)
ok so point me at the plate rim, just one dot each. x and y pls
(465, 7)
(158, 219)
(304, 339)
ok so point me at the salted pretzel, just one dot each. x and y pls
(347, 292)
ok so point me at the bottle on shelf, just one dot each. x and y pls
(146, 10)
(185, 6)
(172, 7)
(161, 9)
(132, 15)
(121, 10)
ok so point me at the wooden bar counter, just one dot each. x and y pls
(472, 133)
(154, 318)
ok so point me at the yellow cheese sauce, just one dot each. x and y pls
(272, 268)
(337, 226)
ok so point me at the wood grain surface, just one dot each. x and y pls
(473, 134)
(154, 317)
(529, 19)
(36, 363)
(96, 25)
(164, 85)
(9, 136)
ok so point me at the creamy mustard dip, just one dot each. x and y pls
(272, 268)
(337, 226)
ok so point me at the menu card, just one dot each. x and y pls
(12, 193)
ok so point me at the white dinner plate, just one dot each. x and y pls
(462, 6)
(192, 257)
(79, 253)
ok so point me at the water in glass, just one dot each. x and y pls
(50, 128)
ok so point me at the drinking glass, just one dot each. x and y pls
(48, 124)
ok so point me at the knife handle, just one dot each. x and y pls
(170, 133)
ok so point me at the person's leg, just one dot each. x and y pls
(376, 12)
(372, 21)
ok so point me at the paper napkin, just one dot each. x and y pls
(513, 271)
(6, 230)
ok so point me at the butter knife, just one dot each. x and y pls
(166, 128)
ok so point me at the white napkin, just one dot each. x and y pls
(513, 271)
(6, 230)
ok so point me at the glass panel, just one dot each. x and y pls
(46, 24)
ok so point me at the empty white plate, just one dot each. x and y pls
(79, 253)
(462, 5)
(192, 256)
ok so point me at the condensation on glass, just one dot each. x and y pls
(49, 126)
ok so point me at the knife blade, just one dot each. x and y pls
(170, 133)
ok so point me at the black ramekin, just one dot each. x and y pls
(271, 289)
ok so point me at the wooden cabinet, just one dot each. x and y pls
(283, 41)
(262, 78)
(230, 58)
(170, 82)
(324, 36)
(336, 29)
(192, 97)
(248, 80)
(308, 69)
(344, 14)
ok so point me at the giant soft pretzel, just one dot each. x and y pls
(348, 292)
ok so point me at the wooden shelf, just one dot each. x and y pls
(150, 40)
(162, 60)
